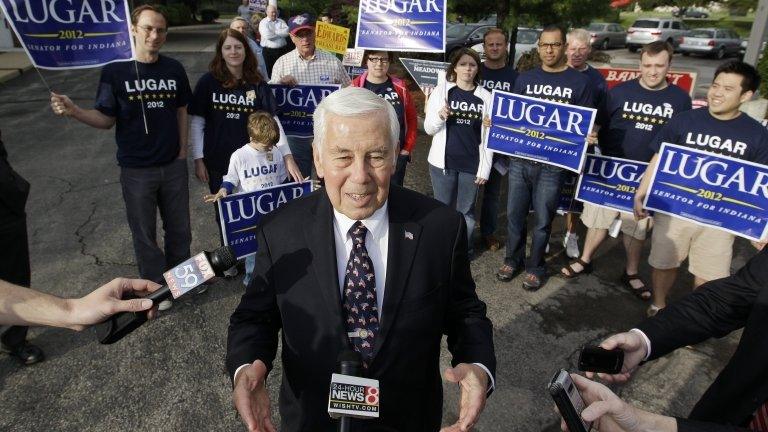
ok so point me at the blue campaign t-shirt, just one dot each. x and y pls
(226, 114)
(162, 87)
(632, 116)
(463, 128)
(568, 86)
(599, 86)
(500, 79)
(741, 137)
(386, 90)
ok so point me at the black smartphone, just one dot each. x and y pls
(568, 401)
(596, 359)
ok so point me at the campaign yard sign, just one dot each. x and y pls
(711, 190)
(71, 35)
(257, 6)
(543, 131)
(614, 76)
(240, 214)
(331, 37)
(401, 25)
(610, 182)
(424, 72)
(296, 105)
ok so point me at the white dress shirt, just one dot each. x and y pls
(273, 33)
(376, 242)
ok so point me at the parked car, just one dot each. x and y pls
(527, 39)
(691, 13)
(607, 35)
(463, 35)
(716, 42)
(647, 30)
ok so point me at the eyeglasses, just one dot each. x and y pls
(150, 29)
(382, 60)
(552, 45)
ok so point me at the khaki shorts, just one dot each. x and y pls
(601, 218)
(708, 250)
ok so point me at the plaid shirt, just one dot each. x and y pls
(322, 68)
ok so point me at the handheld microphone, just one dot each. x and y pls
(179, 280)
(350, 395)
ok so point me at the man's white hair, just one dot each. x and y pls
(355, 102)
(236, 19)
(579, 34)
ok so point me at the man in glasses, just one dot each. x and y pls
(534, 184)
(306, 65)
(146, 100)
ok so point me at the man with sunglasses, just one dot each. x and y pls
(534, 184)
(146, 101)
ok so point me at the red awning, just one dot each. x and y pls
(620, 3)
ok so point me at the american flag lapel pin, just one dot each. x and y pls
(409, 235)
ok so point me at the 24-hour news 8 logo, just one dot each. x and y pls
(353, 397)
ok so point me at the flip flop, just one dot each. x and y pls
(627, 279)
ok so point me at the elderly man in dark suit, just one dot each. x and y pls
(738, 398)
(360, 264)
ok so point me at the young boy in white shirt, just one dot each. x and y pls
(255, 166)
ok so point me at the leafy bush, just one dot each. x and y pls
(178, 14)
(762, 69)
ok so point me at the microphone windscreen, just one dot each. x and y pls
(222, 259)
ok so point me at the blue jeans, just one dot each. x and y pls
(536, 186)
(489, 212)
(458, 190)
(145, 191)
(302, 154)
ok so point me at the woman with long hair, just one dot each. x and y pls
(221, 102)
(458, 162)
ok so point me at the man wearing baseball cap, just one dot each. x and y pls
(306, 65)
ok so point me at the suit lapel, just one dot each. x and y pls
(404, 237)
(319, 237)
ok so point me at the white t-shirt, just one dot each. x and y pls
(251, 169)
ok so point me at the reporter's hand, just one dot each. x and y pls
(634, 349)
(201, 172)
(473, 381)
(444, 112)
(251, 399)
(608, 412)
(61, 104)
(106, 301)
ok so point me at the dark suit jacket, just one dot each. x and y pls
(714, 310)
(429, 292)
(13, 194)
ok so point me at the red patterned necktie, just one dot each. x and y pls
(360, 308)
(760, 420)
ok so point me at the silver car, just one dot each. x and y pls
(716, 42)
(607, 35)
(647, 30)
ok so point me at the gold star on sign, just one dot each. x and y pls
(645, 119)
(139, 97)
(130, 98)
(624, 115)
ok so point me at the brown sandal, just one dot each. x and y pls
(627, 279)
(569, 272)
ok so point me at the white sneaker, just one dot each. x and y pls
(230, 272)
(571, 244)
(165, 305)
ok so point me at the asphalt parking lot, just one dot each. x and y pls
(169, 375)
